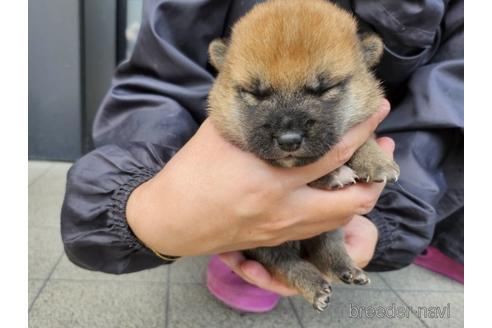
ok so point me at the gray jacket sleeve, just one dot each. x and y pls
(427, 126)
(156, 101)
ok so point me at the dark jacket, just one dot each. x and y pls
(158, 98)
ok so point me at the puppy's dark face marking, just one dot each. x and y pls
(293, 77)
(292, 127)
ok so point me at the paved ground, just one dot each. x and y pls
(63, 295)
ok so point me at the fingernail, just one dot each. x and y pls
(249, 272)
(385, 104)
(254, 273)
(384, 109)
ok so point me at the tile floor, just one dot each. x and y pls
(64, 295)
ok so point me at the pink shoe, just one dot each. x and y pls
(232, 290)
(434, 260)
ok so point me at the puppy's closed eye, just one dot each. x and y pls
(326, 90)
(254, 95)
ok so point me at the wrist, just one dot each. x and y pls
(145, 220)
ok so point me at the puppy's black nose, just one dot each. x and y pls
(289, 141)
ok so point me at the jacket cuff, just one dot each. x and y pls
(119, 199)
(386, 230)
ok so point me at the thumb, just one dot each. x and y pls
(387, 144)
(256, 274)
(254, 271)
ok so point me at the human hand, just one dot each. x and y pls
(211, 197)
(361, 236)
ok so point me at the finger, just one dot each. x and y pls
(358, 254)
(256, 274)
(361, 236)
(342, 203)
(309, 230)
(351, 237)
(234, 260)
(387, 145)
(342, 151)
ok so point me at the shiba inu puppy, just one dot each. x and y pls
(293, 78)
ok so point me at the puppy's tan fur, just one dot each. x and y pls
(285, 45)
(291, 42)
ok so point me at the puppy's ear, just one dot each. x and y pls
(217, 51)
(372, 48)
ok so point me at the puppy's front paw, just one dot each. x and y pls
(382, 171)
(337, 179)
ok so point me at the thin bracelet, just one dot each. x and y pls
(159, 255)
(165, 257)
